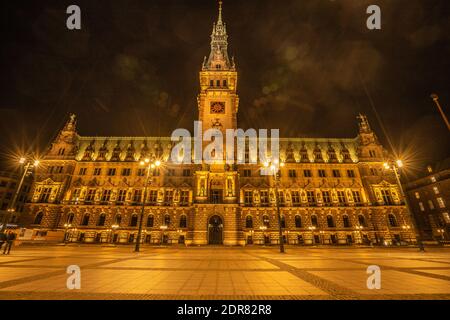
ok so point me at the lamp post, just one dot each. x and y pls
(114, 227)
(436, 101)
(275, 172)
(150, 165)
(12, 206)
(394, 166)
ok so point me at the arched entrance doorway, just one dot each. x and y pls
(215, 230)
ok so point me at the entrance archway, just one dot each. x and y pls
(215, 230)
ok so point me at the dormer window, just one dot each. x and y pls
(218, 66)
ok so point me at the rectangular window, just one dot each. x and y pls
(153, 196)
(341, 197)
(171, 172)
(90, 195)
(431, 204)
(247, 173)
(336, 173)
(76, 194)
(248, 198)
(326, 197)
(311, 197)
(281, 200)
(111, 171)
(137, 195)
(356, 196)
(372, 153)
(168, 197)
(126, 172)
(417, 195)
(264, 196)
(106, 196)
(122, 195)
(373, 172)
(45, 195)
(184, 197)
(307, 173)
(292, 173)
(387, 198)
(446, 217)
(295, 196)
(322, 173)
(350, 173)
(421, 206)
(82, 171)
(436, 190)
(224, 83)
(440, 202)
(186, 172)
(141, 172)
(97, 171)
(156, 172)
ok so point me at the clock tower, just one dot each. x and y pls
(217, 100)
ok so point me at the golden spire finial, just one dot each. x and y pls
(219, 21)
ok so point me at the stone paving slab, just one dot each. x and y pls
(223, 273)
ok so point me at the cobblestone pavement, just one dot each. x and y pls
(224, 273)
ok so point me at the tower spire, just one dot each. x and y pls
(219, 20)
(218, 57)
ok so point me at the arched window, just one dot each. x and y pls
(346, 221)
(249, 222)
(283, 221)
(38, 218)
(330, 222)
(183, 221)
(266, 221)
(118, 219)
(85, 220)
(392, 220)
(166, 220)
(134, 220)
(70, 217)
(150, 221)
(362, 220)
(101, 220)
(298, 221)
(314, 221)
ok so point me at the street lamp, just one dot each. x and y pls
(273, 167)
(444, 117)
(29, 165)
(150, 166)
(394, 166)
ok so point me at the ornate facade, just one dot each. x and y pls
(331, 191)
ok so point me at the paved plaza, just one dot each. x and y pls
(223, 273)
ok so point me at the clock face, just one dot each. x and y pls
(217, 107)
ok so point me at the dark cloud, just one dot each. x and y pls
(303, 67)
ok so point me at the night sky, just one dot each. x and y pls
(307, 67)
